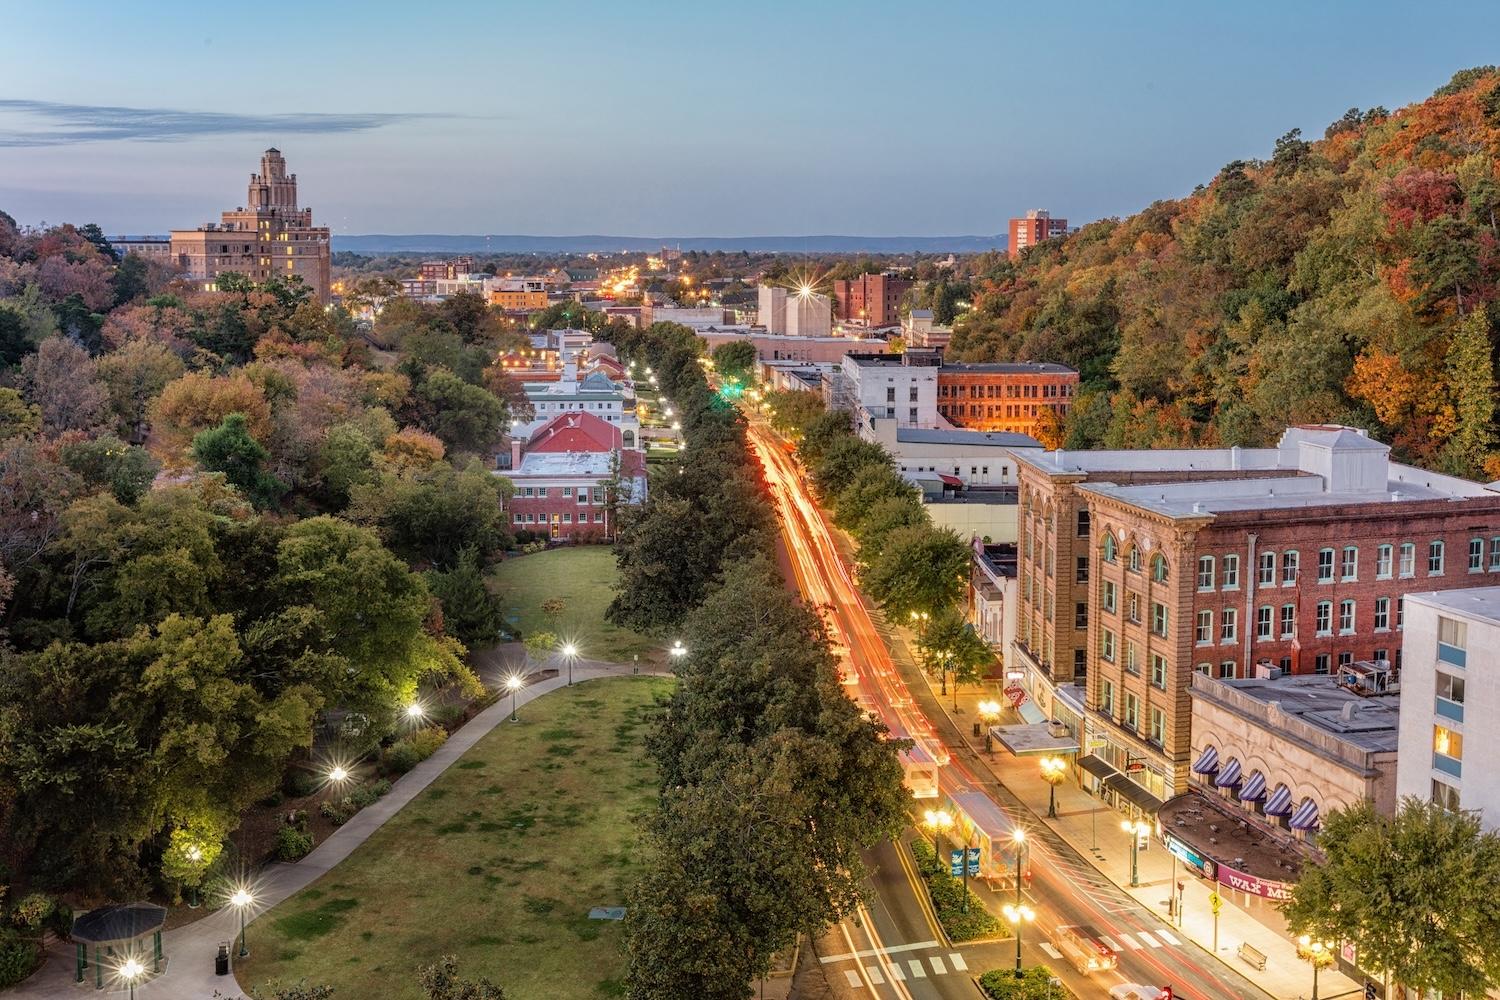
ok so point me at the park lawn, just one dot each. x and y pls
(584, 577)
(498, 862)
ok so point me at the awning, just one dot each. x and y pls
(1207, 762)
(1095, 766)
(1033, 715)
(1133, 793)
(1230, 775)
(1280, 803)
(1254, 789)
(1306, 816)
(1036, 738)
(951, 481)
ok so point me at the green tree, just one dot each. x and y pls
(432, 514)
(949, 644)
(466, 417)
(735, 359)
(843, 460)
(18, 418)
(109, 463)
(470, 611)
(922, 569)
(191, 852)
(230, 449)
(1471, 380)
(1413, 893)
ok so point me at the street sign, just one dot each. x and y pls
(1369, 991)
(1215, 902)
(956, 863)
(974, 862)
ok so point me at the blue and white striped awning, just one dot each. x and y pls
(1230, 775)
(1306, 816)
(1207, 762)
(1280, 802)
(1255, 788)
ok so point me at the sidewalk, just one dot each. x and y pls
(188, 972)
(1093, 830)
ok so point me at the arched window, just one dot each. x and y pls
(1109, 548)
(1159, 568)
(1134, 561)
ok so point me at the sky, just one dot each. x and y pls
(684, 119)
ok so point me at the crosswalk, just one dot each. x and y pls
(1123, 941)
(876, 967)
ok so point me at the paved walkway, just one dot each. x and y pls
(190, 949)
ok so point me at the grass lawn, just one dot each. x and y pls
(584, 577)
(497, 862)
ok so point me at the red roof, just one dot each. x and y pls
(576, 431)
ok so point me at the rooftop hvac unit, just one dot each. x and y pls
(1265, 670)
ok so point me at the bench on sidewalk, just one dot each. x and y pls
(1252, 956)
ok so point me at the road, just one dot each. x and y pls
(1065, 889)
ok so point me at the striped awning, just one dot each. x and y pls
(1306, 816)
(1207, 762)
(1230, 775)
(1255, 788)
(1280, 802)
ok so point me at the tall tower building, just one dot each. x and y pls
(267, 236)
(1035, 228)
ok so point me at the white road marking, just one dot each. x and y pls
(937, 965)
(1146, 937)
(917, 972)
(1132, 942)
(897, 975)
(872, 952)
(853, 978)
(957, 961)
(1051, 951)
(1109, 942)
(1167, 937)
(873, 971)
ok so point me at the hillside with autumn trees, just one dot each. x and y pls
(1350, 279)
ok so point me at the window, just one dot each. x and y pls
(1133, 606)
(1226, 670)
(1383, 563)
(1400, 614)
(890, 394)
(1159, 568)
(1288, 621)
(1349, 563)
(1204, 634)
(1495, 555)
(1159, 671)
(1325, 618)
(1107, 645)
(519, 519)
(1080, 615)
(1452, 632)
(1263, 616)
(1109, 548)
(1325, 565)
(541, 491)
(1080, 662)
(1204, 668)
(1108, 596)
(1106, 698)
(1159, 619)
(1231, 572)
(1083, 524)
(1135, 559)
(567, 519)
(1345, 658)
(1288, 568)
(1320, 663)
(1382, 614)
(1382, 656)
(1205, 572)
(1228, 624)
(1435, 559)
(1448, 742)
(567, 491)
(1476, 555)
(1267, 575)
(1408, 559)
(1158, 733)
(1444, 796)
(526, 491)
(1346, 617)
(1450, 687)
(1081, 569)
(1132, 718)
(1132, 657)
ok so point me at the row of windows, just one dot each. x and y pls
(1134, 561)
(1343, 564)
(583, 518)
(1322, 663)
(1016, 411)
(541, 492)
(1011, 391)
(1110, 648)
(1269, 624)
(1130, 716)
(1108, 600)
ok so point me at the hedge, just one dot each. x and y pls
(947, 894)
(1035, 984)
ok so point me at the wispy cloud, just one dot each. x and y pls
(48, 123)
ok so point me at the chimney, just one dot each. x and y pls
(515, 452)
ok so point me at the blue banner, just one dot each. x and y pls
(974, 862)
(956, 863)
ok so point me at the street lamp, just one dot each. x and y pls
(241, 901)
(1018, 838)
(1318, 954)
(1137, 829)
(513, 683)
(678, 650)
(130, 970)
(415, 712)
(989, 713)
(936, 821)
(195, 855)
(1018, 916)
(570, 653)
(1053, 770)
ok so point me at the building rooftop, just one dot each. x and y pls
(1007, 368)
(1479, 603)
(992, 439)
(999, 559)
(1311, 708)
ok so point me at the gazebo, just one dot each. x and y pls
(118, 931)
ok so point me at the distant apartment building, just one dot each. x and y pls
(451, 267)
(1021, 397)
(873, 299)
(151, 247)
(919, 330)
(771, 311)
(517, 294)
(267, 237)
(1139, 568)
(1037, 227)
(571, 476)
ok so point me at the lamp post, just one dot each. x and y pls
(989, 713)
(241, 901)
(1318, 954)
(1018, 838)
(1018, 915)
(513, 684)
(195, 855)
(1137, 829)
(570, 653)
(1053, 769)
(937, 821)
(130, 970)
(415, 712)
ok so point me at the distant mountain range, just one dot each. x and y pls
(442, 243)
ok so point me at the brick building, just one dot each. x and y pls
(874, 299)
(453, 267)
(1139, 568)
(1038, 226)
(1019, 398)
(267, 236)
(571, 477)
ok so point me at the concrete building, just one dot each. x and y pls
(808, 315)
(517, 294)
(992, 594)
(1024, 397)
(1450, 727)
(987, 515)
(771, 314)
(451, 267)
(871, 299)
(1037, 226)
(919, 330)
(571, 476)
(900, 387)
(794, 376)
(696, 317)
(151, 247)
(1140, 568)
(267, 236)
(958, 458)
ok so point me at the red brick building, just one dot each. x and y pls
(449, 270)
(1036, 227)
(571, 476)
(1014, 397)
(873, 298)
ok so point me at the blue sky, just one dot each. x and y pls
(664, 118)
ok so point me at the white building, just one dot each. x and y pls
(809, 315)
(919, 330)
(595, 393)
(974, 458)
(694, 317)
(899, 387)
(1450, 728)
(772, 311)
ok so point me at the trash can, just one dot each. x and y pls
(221, 960)
(977, 730)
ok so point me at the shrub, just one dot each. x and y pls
(1035, 984)
(301, 783)
(60, 922)
(339, 810)
(18, 958)
(31, 910)
(292, 844)
(947, 894)
(366, 794)
(401, 757)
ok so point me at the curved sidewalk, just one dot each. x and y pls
(189, 950)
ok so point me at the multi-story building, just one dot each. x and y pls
(595, 393)
(808, 315)
(1139, 568)
(1036, 227)
(899, 387)
(771, 308)
(268, 236)
(780, 347)
(919, 330)
(451, 267)
(571, 476)
(1021, 397)
(517, 294)
(960, 458)
(873, 299)
(150, 247)
(696, 317)
(1450, 728)
(992, 593)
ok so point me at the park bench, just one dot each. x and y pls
(1251, 955)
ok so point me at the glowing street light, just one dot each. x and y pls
(195, 855)
(415, 711)
(242, 899)
(1018, 916)
(338, 774)
(1018, 838)
(1054, 769)
(678, 650)
(1137, 829)
(937, 821)
(131, 970)
(570, 653)
(1318, 954)
(513, 683)
(676, 426)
